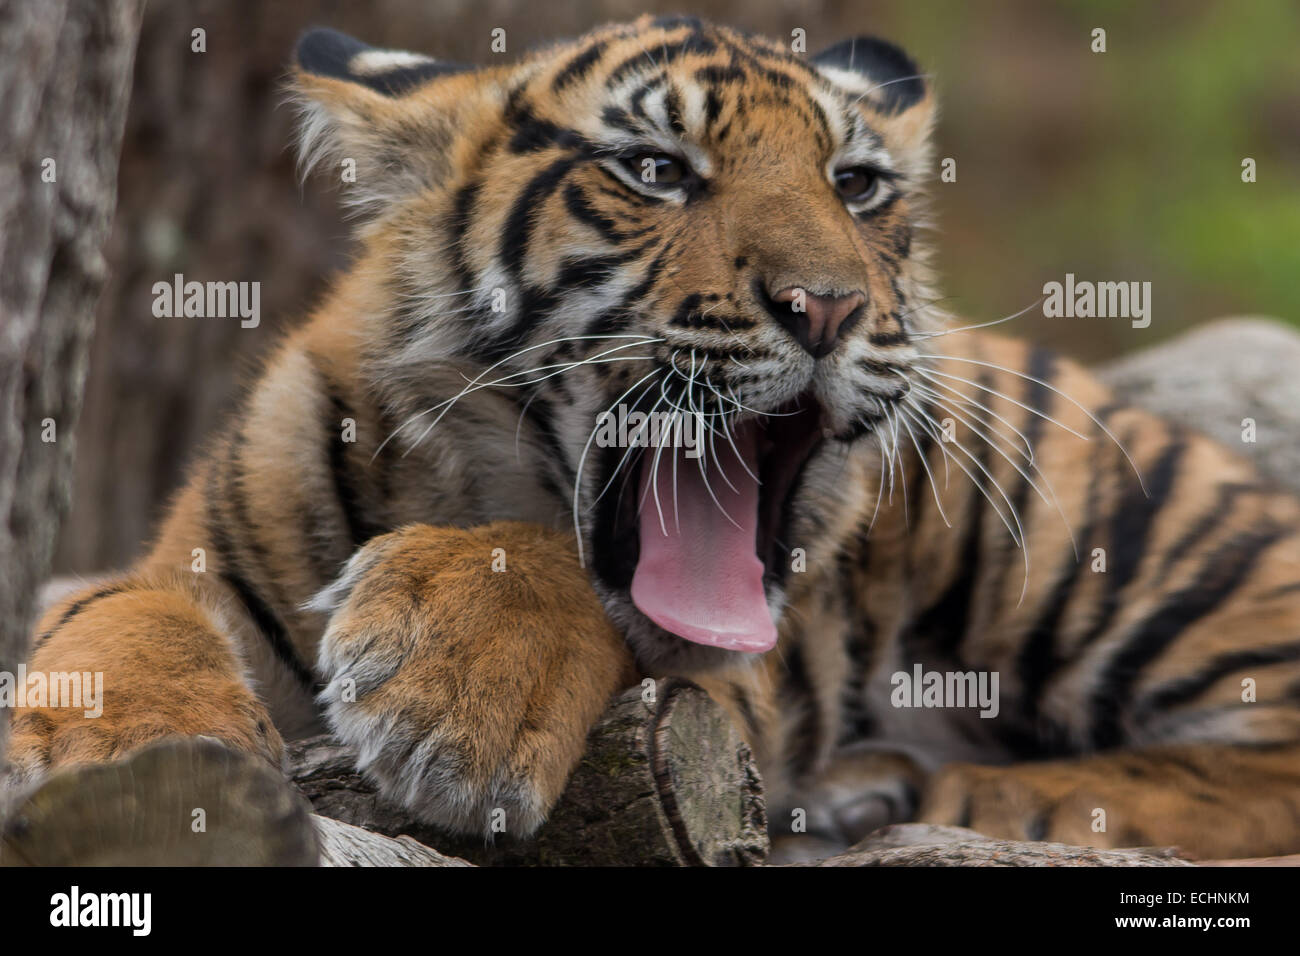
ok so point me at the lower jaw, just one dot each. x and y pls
(658, 651)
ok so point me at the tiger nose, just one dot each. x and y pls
(818, 321)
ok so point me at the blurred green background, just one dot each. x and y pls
(1123, 165)
(1119, 165)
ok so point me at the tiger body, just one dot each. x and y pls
(459, 585)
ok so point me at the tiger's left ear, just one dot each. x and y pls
(386, 117)
(890, 84)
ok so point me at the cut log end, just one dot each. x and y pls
(663, 782)
(179, 802)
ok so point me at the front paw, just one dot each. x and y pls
(467, 667)
(1052, 802)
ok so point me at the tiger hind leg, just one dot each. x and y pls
(149, 656)
(1211, 801)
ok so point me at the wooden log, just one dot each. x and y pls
(342, 844)
(178, 802)
(919, 844)
(667, 782)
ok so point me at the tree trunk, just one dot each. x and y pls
(65, 75)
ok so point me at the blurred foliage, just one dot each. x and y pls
(1117, 165)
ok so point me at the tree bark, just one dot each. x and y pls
(922, 844)
(665, 783)
(65, 75)
(178, 802)
(342, 844)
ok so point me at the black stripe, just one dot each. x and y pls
(268, 623)
(1037, 395)
(636, 105)
(616, 548)
(1187, 689)
(887, 339)
(518, 229)
(712, 109)
(659, 57)
(1206, 525)
(721, 75)
(765, 64)
(578, 67)
(532, 132)
(856, 719)
(513, 250)
(234, 491)
(361, 527)
(1039, 657)
(617, 319)
(825, 136)
(803, 747)
(462, 216)
(943, 624)
(883, 369)
(542, 415)
(1219, 577)
(626, 196)
(76, 608)
(673, 110)
(591, 271)
(921, 478)
(1282, 591)
(620, 118)
(1130, 527)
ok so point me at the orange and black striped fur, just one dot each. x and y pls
(450, 590)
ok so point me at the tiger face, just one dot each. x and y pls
(670, 225)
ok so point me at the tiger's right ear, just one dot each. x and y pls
(327, 53)
(382, 118)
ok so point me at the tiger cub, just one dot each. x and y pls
(441, 521)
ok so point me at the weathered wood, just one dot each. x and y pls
(65, 74)
(663, 783)
(918, 844)
(179, 802)
(342, 844)
(1292, 860)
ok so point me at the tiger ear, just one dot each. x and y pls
(888, 83)
(327, 53)
(383, 119)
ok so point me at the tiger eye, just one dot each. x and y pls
(657, 168)
(856, 183)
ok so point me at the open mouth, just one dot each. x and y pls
(711, 528)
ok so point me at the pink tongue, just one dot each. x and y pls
(698, 575)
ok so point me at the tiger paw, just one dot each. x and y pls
(131, 664)
(1023, 802)
(466, 667)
